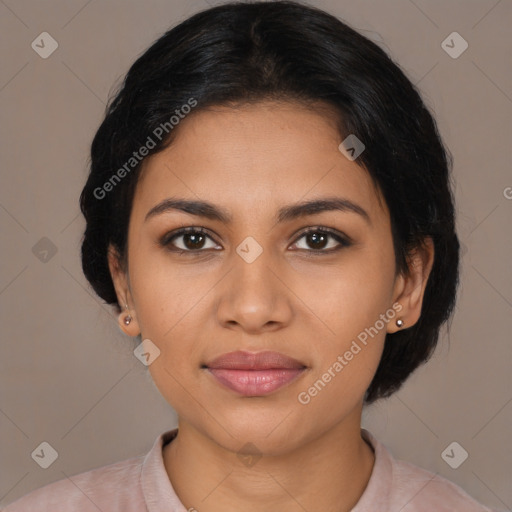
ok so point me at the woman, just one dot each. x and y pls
(269, 211)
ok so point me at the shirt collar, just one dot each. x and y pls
(156, 486)
(376, 495)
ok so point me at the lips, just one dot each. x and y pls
(254, 361)
(254, 374)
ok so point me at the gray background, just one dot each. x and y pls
(68, 375)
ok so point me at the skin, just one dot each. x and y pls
(195, 306)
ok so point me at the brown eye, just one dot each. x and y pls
(317, 240)
(192, 240)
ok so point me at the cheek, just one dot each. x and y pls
(354, 305)
(348, 296)
(165, 293)
(344, 372)
(171, 306)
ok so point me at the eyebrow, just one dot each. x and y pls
(284, 214)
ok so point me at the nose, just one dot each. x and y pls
(254, 297)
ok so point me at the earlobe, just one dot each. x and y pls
(127, 323)
(125, 316)
(126, 319)
(411, 287)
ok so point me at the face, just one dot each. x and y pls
(259, 281)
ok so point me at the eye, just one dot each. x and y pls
(193, 240)
(318, 236)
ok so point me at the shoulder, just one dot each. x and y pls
(115, 487)
(398, 485)
(419, 490)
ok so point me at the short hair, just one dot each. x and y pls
(240, 53)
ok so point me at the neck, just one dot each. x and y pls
(328, 473)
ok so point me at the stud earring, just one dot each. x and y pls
(399, 322)
(127, 318)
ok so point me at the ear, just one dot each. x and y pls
(122, 286)
(409, 289)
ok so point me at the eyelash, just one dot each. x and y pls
(344, 241)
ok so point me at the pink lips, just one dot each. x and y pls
(255, 374)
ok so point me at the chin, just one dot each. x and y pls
(268, 432)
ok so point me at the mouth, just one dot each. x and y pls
(254, 374)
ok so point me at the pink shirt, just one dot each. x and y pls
(141, 484)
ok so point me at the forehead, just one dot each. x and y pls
(254, 159)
